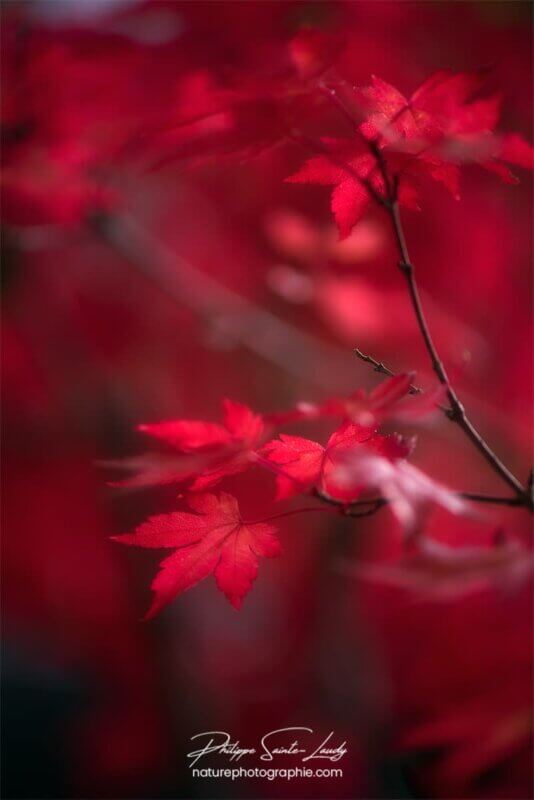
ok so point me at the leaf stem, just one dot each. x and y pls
(290, 513)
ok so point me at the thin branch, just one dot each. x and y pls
(378, 502)
(457, 412)
(358, 508)
(476, 497)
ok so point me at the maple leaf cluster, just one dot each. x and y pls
(442, 125)
(357, 463)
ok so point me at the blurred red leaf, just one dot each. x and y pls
(446, 573)
(228, 448)
(409, 492)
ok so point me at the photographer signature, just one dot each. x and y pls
(292, 741)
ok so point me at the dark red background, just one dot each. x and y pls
(431, 697)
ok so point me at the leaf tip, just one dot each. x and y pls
(236, 602)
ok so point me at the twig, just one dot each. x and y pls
(380, 367)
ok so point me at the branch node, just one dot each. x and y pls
(406, 268)
(457, 412)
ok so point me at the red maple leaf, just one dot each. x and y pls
(228, 448)
(444, 123)
(213, 540)
(439, 105)
(428, 135)
(351, 169)
(302, 464)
